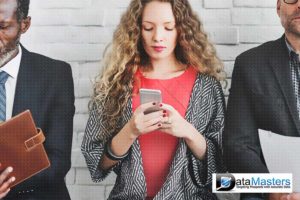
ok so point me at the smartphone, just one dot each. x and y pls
(150, 95)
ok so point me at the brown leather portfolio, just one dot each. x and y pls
(21, 146)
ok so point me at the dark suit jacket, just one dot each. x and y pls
(45, 87)
(261, 97)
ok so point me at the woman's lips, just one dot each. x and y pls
(158, 48)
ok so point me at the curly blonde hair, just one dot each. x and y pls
(113, 87)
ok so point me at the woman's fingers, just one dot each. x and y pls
(153, 115)
(146, 106)
(153, 127)
(153, 121)
(161, 119)
(166, 126)
(168, 107)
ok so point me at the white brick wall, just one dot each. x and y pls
(254, 3)
(217, 4)
(254, 16)
(77, 31)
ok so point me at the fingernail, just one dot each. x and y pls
(159, 125)
(160, 105)
(154, 103)
(164, 111)
(10, 169)
(164, 115)
(12, 179)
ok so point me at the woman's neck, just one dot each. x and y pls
(164, 68)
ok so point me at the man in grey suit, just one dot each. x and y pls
(265, 94)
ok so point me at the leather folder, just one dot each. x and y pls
(21, 146)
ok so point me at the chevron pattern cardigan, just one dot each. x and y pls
(189, 178)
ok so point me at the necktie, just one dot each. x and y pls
(3, 79)
(296, 78)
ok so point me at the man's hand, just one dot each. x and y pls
(281, 196)
(292, 196)
(4, 182)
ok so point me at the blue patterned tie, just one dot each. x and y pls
(3, 79)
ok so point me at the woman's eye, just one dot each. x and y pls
(148, 28)
(169, 29)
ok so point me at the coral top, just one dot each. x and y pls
(158, 148)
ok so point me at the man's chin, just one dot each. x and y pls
(294, 29)
(4, 52)
(296, 33)
(6, 56)
(293, 32)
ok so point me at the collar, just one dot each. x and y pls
(12, 67)
(290, 48)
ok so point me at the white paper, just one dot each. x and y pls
(282, 154)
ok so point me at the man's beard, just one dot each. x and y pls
(292, 26)
(9, 52)
(293, 29)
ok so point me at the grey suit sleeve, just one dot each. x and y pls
(212, 163)
(242, 151)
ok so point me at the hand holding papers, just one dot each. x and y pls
(282, 154)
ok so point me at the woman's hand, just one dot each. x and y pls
(141, 123)
(174, 124)
(4, 184)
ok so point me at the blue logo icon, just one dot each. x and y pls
(225, 182)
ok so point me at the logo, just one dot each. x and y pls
(224, 182)
(252, 183)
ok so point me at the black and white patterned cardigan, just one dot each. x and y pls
(189, 178)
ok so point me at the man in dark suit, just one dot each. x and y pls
(45, 87)
(264, 94)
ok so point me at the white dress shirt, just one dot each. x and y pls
(11, 68)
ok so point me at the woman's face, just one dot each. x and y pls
(159, 31)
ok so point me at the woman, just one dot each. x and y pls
(170, 153)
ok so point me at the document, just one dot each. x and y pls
(282, 154)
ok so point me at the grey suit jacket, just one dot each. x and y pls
(188, 178)
(261, 97)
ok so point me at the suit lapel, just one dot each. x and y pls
(280, 66)
(22, 94)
